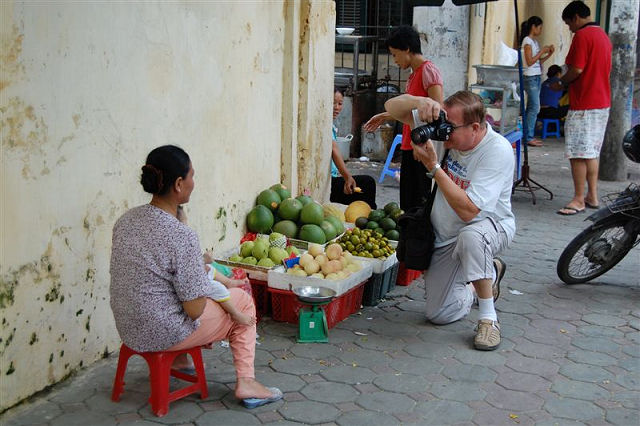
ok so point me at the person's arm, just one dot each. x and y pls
(349, 182)
(550, 49)
(230, 282)
(436, 93)
(531, 59)
(400, 108)
(572, 74)
(456, 197)
(194, 308)
(376, 121)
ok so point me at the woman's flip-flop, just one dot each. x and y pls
(592, 206)
(276, 395)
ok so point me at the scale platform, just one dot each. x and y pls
(312, 321)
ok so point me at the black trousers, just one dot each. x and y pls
(365, 182)
(551, 112)
(415, 186)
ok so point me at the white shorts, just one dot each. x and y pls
(584, 132)
(454, 266)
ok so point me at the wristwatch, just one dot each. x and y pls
(432, 173)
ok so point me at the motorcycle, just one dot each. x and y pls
(614, 232)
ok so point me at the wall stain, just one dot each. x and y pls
(10, 51)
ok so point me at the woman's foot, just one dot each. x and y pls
(534, 142)
(248, 387)
(182, 362)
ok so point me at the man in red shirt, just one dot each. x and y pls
(587, 76)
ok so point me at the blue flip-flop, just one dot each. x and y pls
(276, 395)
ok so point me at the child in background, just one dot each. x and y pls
(550, 99)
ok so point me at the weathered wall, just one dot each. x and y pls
(317, 35)
(447, 41)
(86, 91)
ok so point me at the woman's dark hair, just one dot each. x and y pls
(405, 37)
(575, 8)
(164, 166)
(526, 26)
(554, 70)
(336, 89)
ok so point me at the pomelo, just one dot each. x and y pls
(286, 227)
(329, 230)
(304, 199)
(260, 219)
(312, 213)
(290, 209)
(282, 190)
(269, 198)
(336, 224)
(312, 233)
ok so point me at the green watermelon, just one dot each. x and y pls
(312, 213)
(260, 219)
(269, 199)
(312, 233)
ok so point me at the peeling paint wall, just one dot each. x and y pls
(446, 30)
(86, 91)
(317, 39)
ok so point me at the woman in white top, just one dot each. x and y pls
(533, 56)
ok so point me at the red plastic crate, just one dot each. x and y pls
(285, 305)
(406, 276)
(260, 297)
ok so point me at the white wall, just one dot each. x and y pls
(86, 91)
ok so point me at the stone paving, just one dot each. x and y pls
(570, 354)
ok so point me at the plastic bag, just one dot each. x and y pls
(506, 55)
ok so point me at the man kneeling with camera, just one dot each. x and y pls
(471, 213)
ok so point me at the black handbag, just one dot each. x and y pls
(415, 245)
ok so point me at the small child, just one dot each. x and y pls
(221, 285)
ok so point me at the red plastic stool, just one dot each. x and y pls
(159, 371)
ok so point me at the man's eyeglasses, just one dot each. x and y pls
(462, 125)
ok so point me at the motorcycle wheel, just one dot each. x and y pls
(594, 251)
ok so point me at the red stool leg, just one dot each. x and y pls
(196, 354)
(159, 368)
(118, 382)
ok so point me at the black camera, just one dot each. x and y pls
(438, 130)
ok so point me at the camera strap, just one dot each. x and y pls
(432, 195)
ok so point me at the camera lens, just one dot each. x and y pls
(421, 134)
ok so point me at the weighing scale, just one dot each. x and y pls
(312, 321)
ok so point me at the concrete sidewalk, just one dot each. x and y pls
(569, 355)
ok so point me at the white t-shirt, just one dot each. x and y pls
(534, 69)
(486, 175)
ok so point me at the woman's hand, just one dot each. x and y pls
(208, 257)
(375, 122)
(349, 185)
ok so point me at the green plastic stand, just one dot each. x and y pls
(312, 325)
